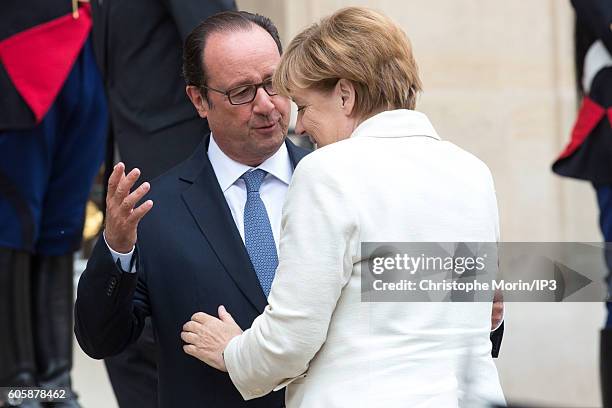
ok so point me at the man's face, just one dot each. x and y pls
(252, 132)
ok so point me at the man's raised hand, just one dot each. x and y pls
(121, 217)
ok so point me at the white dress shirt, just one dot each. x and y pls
(272, 191)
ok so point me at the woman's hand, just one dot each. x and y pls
(206, 337)
(497, 314)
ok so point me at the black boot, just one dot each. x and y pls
(17, 364)
(605, 367)
(52, 281)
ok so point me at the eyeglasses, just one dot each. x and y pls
(245, 93)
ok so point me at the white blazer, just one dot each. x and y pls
(392, 180)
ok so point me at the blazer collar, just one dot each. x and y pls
(396, 123)
(207, 205)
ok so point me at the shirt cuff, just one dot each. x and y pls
(125, 260)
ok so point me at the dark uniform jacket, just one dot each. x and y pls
(588, 155)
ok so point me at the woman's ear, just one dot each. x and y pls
(199, 102)
(346, 91)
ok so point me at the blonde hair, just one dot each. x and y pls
(357, 44)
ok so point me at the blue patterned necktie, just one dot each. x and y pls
(258, 237)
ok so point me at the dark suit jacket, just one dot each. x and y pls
(190, 258)
(138, 46)
(592, 159)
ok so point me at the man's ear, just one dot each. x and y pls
(346, 91)
(198, 101)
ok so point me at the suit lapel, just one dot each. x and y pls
(295, 153)
(209, 208)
